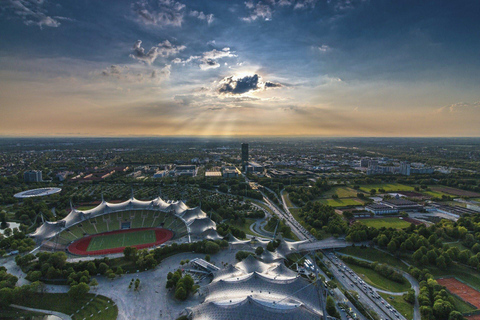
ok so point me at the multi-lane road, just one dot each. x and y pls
(366, 294)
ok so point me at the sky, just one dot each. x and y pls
(239, 68)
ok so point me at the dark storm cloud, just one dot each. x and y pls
(234, 85)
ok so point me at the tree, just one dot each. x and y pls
(6, 297)
(93, 283)
(130, 253)
(259, 251)
(211, 247)
(455, 315)
(392, 246)
(78, 291)
(91, 268)
(331, 309)
(180, 293)
(103, 268)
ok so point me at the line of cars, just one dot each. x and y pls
(352, 279)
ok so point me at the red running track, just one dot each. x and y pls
(80, 246)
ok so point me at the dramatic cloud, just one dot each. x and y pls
(32, 12)
(163, 49)
(234, 85)
(166, 13)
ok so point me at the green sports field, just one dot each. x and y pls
(385, 222)
(110, 241)
(341, 202)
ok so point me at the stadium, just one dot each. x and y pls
(110, 227)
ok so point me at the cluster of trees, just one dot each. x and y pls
(282, 228)
(331, 308)
(240, 255)
(383, 269)
(54, 266)
(427, 244)
(183, 285)
(15, 240)
(29, 212)
(322, 217)
(224, 229)
(272, 245)
(436, 303)
(10, 293)
(304, 194)
(239, 187)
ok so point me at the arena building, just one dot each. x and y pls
(110, 227)
(253, 289)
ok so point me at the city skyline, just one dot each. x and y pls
(238, 68)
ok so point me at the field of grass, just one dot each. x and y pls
(436, 194)
(341, 192)
(341, 202)
(245, 227)
(84, 208)
(378, 281)
(461, 305)
(61, 302)
(372, 254)
(110, 241)
(388, 187)
(287, 199)
(400, 304)
(14, 313)
(385, 222)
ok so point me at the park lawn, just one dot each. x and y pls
(400, 304)
(341, 202)
(435, 193)
(385, 222)
(341, 192)
(84, 208)
(374, 255)
(376, 280)
(388, 187)
(245, 227)
(62, 302)
(110, 241)
(288, 202)
(14, 313)
(461, 305)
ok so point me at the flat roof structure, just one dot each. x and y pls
(40, 192)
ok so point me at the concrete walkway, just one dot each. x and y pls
(62, 316)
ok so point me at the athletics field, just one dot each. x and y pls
(116, 241)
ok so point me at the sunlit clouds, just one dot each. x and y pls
(235, 68)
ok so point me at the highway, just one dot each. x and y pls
(296, 227)
(367, 294)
